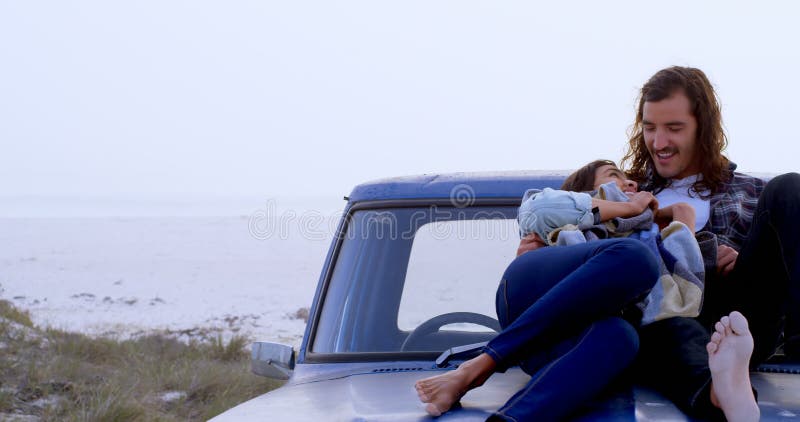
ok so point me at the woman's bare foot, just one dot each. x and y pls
(729, 354)
(443, 391)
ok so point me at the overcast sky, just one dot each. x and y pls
(290, 97)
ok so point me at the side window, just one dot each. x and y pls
(455, 266)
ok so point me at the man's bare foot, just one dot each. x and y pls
(729, 354)
(443, 391)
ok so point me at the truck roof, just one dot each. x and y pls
(501, 184)
(464, 185)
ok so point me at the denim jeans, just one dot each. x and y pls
(764, 285)
(673, 360)
(765, 282)
(560, 312)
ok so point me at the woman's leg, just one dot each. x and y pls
(552, 293)
(560, 387)
(545, 297)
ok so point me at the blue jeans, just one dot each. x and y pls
(560, 312)
(765, 282)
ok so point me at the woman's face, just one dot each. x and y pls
(609, 173)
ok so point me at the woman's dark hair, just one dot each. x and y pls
(710, 137)
(582, 180)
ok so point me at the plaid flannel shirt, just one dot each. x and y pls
(732, 208)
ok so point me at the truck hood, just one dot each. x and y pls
(389, 395)
(371, 397)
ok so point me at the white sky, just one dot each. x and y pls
(291, 97)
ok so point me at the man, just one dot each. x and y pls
(675, 151)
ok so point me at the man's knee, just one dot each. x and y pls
(782, 189)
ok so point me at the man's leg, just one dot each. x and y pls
(729, 352)
(673, 360)
(705, 376)
(766, 278)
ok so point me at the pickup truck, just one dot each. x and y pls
(407, 291)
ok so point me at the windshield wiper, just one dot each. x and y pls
(467, 351)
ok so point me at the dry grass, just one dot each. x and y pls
(62, 376)
(11, 313)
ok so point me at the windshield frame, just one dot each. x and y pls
(309, 356)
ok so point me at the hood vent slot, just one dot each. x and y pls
(790, 368)
(410, 369)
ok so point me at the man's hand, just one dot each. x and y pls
(662, 217)
(680, 211)
(726, 259)
(529, 243)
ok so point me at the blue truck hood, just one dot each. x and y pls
(377, 395)
(370, 396)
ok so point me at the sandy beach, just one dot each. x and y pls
(250, 272)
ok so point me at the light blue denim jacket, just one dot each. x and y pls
(679, 288)
(543, 211)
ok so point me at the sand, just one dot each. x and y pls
(251, 272)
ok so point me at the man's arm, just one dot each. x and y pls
(681, 212)
(732, 211)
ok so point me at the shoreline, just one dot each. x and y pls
(127, 275)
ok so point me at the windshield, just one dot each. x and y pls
(416, 279)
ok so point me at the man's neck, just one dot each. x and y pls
(685, 181)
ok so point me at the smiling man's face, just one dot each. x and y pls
(670, 135)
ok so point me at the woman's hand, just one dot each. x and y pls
(639, 202)
(529, 243)
(643, 201)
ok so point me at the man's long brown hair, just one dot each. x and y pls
(710, 137)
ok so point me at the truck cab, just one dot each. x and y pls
(407, 291)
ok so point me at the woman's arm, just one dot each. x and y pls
(550, 209)
(638, 203)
